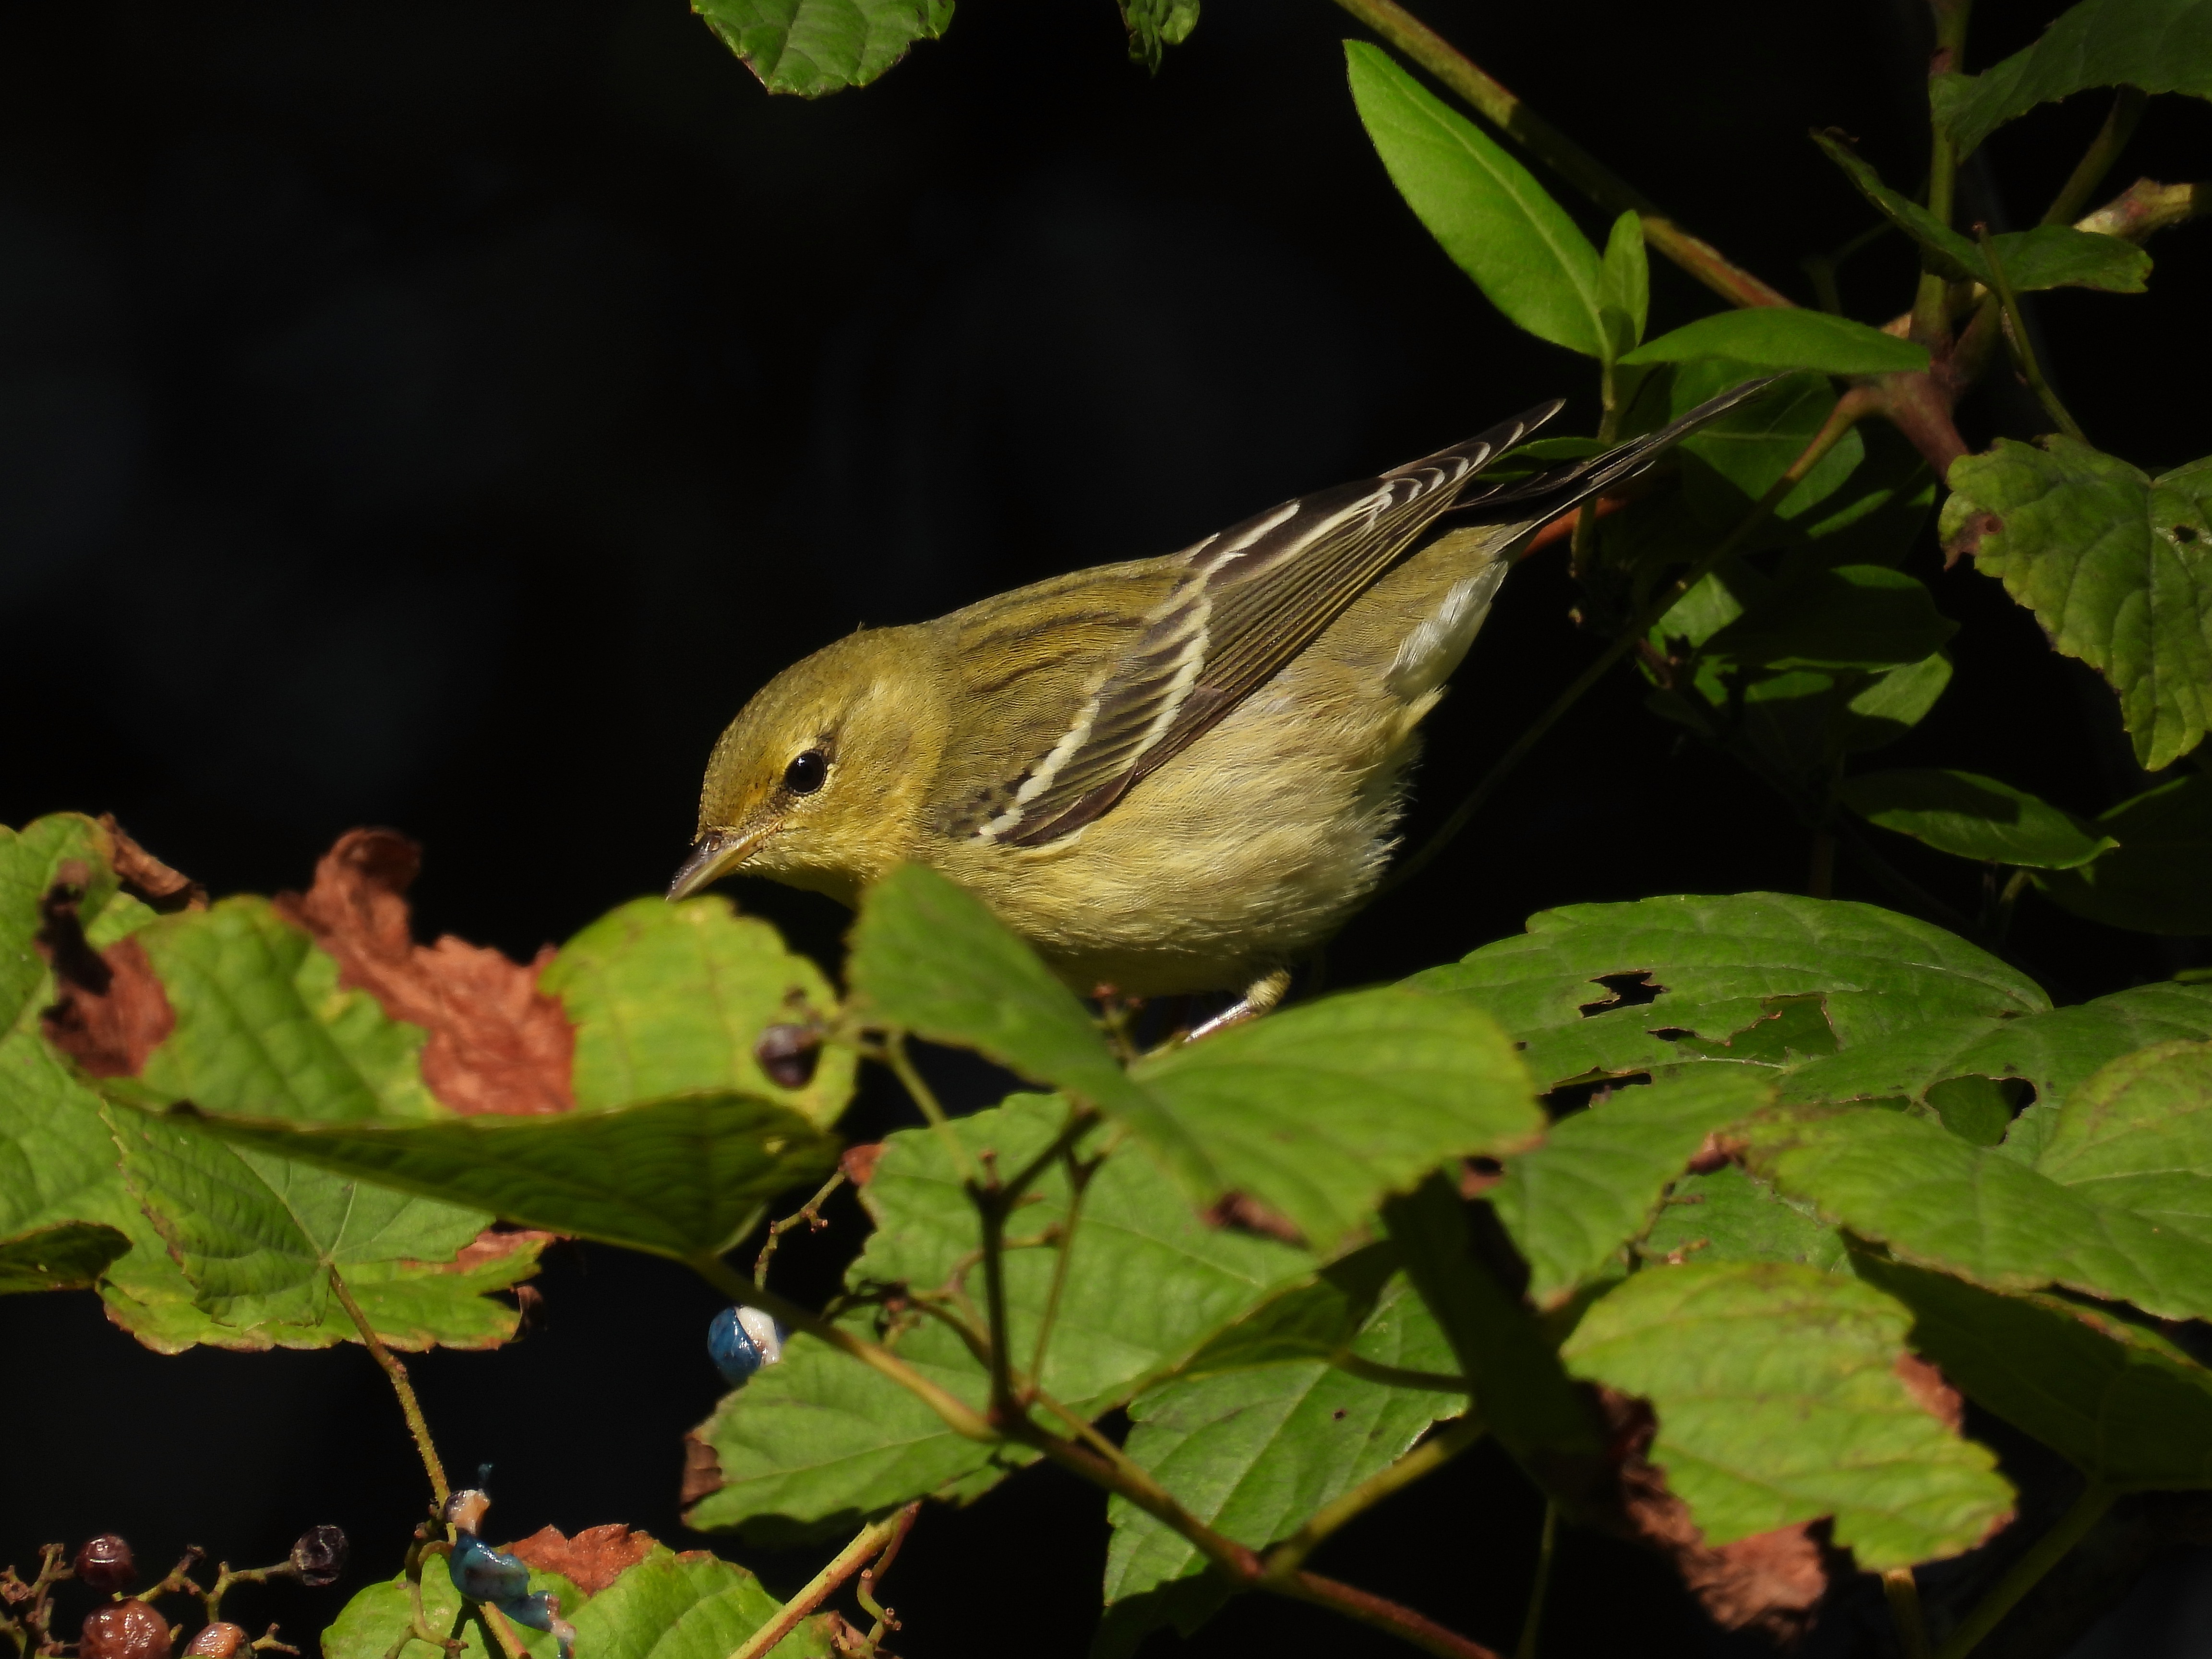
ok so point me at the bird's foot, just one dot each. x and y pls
(1260, 995)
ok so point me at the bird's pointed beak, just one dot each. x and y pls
(716, 853)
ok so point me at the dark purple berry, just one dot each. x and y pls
(320, 1557)
(123, 1630)
(105, 1565)
(217, 1642)
(789, 1053)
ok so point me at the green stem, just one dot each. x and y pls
(819, 1588)
(410, 1407)
(1904, 1595)
(1431, 1455)
(1931, 303)
(2023, 350)
(1852, 406)
(894, 1054)
(2120, 122)
(958, 1416)
(2026, 1572)
(1532, 1623)
(807, 1214)
(1417, 41)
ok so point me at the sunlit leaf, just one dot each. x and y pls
(1973, 817)
(672, 999)
(2138, 1136)
(2116, 565)
(1495, 220)
(2159, 45)
(1938, 1202)
(1783, 337)
(1625, 284)
(1727, 1215)
(1778, 1401)
(1572, 1203)
(1591, 987)
(813, 46)
(2129, 1408)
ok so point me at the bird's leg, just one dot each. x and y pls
(1262, 994)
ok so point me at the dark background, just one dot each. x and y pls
(445, 413)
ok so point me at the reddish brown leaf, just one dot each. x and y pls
(498, 1044)
(492, 1245)
(703, 1470)
(592, 1560)
(1934, 1395)
(1240, 1214)
(1772, 1582)
(1713, 1153)
(859, 1163)
(109, 1011)
(145, 877)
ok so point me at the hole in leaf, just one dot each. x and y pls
(1571, 1097)
(2186, 533)
(1671, 1033)
(1624, 991)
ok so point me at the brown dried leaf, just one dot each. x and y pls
(859, 1163)
(1239, 1213)
(492, 1245)
(146, 878)
(498, 1044)
(1930, 1391)
(703, 1471)
(109, 1011)
(1772, 1582)
(592, 1560)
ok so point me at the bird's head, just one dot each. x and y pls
(820, 779)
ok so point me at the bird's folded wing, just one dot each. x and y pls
(1134, 688)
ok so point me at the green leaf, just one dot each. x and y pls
(2046, 256)
(1253, 1452)
(1973, 817)
(263, 1027)
(929, 958)
(30, 863)
(259, 1236)
(692, 1606)
(370, 1626)
(684, 1177)
(2055, 1049)
(1938, 1202)
(1727, 1215)
(1862, 615)
(2138, 1136)
(1778, 1401)
(1319, 1111)
(1573, 1202)
(1717, 963)
(2159, 45)
(1519, 1388)
(1894, 702)
(2160, 879)
(672, 999)
(70, 1256)
(1156, 25)
(1493, 219)
(1624, 285)
(1785, 336)
(816, 46)
(819, 1443)
(2117, 567)
(2125, 1406)
(1312, 1319)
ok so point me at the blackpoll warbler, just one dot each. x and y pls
(1174, 774)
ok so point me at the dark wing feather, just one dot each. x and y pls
(1251, 599)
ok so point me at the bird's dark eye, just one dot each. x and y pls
(804, 773)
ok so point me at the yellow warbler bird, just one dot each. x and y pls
(1174, 774)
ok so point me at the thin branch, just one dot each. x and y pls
(1417, 41)
(1931, 321)
(410, 1407)
(808, 1214)
(1904, 1595)
(1532, 1622)
(496, 1625)
(894, 1054)
(1431, 1455)
(991, 1212)
(956, 1416)
(1078, 1183)
(1852, 406)
(2023, 349)
(847, 1561)
(1392, 1617)
(865, 1591)
(2120, 122)
(2046, 1553)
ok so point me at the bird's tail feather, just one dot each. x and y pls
(1555, 490)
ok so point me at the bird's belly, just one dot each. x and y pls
(1221, 866)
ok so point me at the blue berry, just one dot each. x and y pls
(742, 1340)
